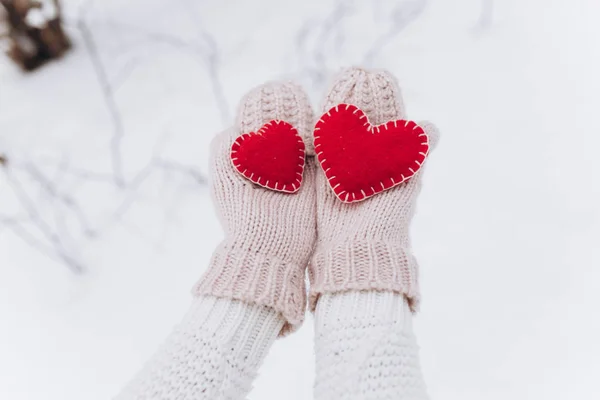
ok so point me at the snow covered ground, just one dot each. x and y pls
(107, 156)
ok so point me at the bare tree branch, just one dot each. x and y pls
(486, 15)
(403, 14)
(66, 199)
(111, 104)
(53, 240)
(212, 61)
(42, 219)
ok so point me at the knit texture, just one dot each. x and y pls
(366, 245)
(214, 353)
(269, 236)
(366, 349)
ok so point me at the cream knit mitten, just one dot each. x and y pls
(269, 235)
(364, 280)
(365, 245)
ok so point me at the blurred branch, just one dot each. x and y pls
(211, 59)
(206, 51)
(54, 246)
(212, 63)
(50, 189)
(402, 15)
(43, 220)
(315, 60)
(319, 43)
(486, 15)
(53, 252)
(109, 99)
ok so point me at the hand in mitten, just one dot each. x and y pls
(365, 245)
(269, 234)
(254, 288)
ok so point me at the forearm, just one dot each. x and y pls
(365, 348)
(214, 353)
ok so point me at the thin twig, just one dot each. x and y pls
(42, 226)
(43, 223)
(402, 15)
(110, 101)
(486, 15)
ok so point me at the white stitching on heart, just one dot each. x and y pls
(237, 143)
(372, 129)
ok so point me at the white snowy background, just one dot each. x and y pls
(105, 220)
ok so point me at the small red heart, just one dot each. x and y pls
(361, 160)
(273, 157)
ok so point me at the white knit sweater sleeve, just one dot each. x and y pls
(214, 353)
(365, 348)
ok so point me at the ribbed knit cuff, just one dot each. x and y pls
(256, 279)
(364, 265)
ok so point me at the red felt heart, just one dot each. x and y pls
(361, 160)
(272, 157)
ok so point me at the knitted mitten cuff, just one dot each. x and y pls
(256, 279)
(364, 265)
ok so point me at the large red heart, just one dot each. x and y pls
(361, 160)
(272, 157)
